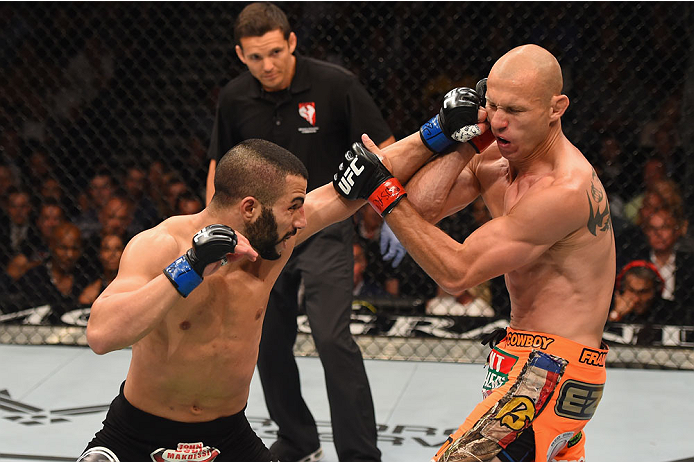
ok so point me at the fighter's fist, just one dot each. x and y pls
(210, 245)
(457, 120)
(361, 175)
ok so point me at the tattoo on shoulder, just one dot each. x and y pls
(598, 219)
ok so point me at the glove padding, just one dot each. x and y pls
(362, 176)
(391, 248)
(210, 244)
(457, 120)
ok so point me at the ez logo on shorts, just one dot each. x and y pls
(578, 400)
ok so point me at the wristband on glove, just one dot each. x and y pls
(183, 277)
(210, 244)
(482, 142)
(433, 137)
(387, 196)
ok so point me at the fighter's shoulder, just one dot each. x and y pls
(165, 239)
(489, 163)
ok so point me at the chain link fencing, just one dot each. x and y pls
(109, 106)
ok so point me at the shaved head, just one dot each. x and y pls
(533, 68)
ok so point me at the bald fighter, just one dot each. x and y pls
(550, 236)
(190, 296)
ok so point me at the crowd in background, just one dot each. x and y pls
(92, 152)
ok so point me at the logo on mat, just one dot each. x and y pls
(26, 414)
(308, 112)
(186, 451)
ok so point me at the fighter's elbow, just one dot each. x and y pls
(96, 342)
(98, 339)
(454, 283)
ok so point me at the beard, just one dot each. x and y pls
(263, 236)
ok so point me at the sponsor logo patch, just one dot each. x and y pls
(186, 451)
(499, 365)
(592, 357)
(528, 340)
(574, 441)
(578, 400)
(558, 444)
(518, 413)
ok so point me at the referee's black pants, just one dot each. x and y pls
(325, 263)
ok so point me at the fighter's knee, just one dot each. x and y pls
(98, 454)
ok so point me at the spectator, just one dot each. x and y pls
(38, 166)
(16, 228)
(101, 189)
(663, 230)
(638, 295)
(52, 190)
(188, 203)
(652, 173)
(38, 248)
(174, 188)
(7, 182)
(145, 214)
(631, 240)
(610, 168)
(157, 179)
(637, 299)
(114, 218)
(57, 282)
(363, 287)
(110, 252)
(368, 224)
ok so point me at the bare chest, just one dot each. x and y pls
(222, 309)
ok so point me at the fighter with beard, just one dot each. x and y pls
(193, 314)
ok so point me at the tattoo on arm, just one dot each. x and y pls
(598, 219)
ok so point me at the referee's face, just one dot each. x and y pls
(269, 58)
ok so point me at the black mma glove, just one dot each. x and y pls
(362, 176)
(210, 244)
(457, 120)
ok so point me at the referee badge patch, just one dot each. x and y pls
(308, 112)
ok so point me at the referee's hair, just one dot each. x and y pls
(258, 19)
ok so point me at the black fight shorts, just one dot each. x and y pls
(132, 435)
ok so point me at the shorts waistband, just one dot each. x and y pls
(568, 349)
(146, 423)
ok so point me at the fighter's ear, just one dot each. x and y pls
(558, 106)
(250, 208)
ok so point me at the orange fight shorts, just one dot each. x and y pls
(539, 393)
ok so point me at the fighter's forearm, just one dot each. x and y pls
(406, 157)
(121, 319)
(430, 187)
(435, 252)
